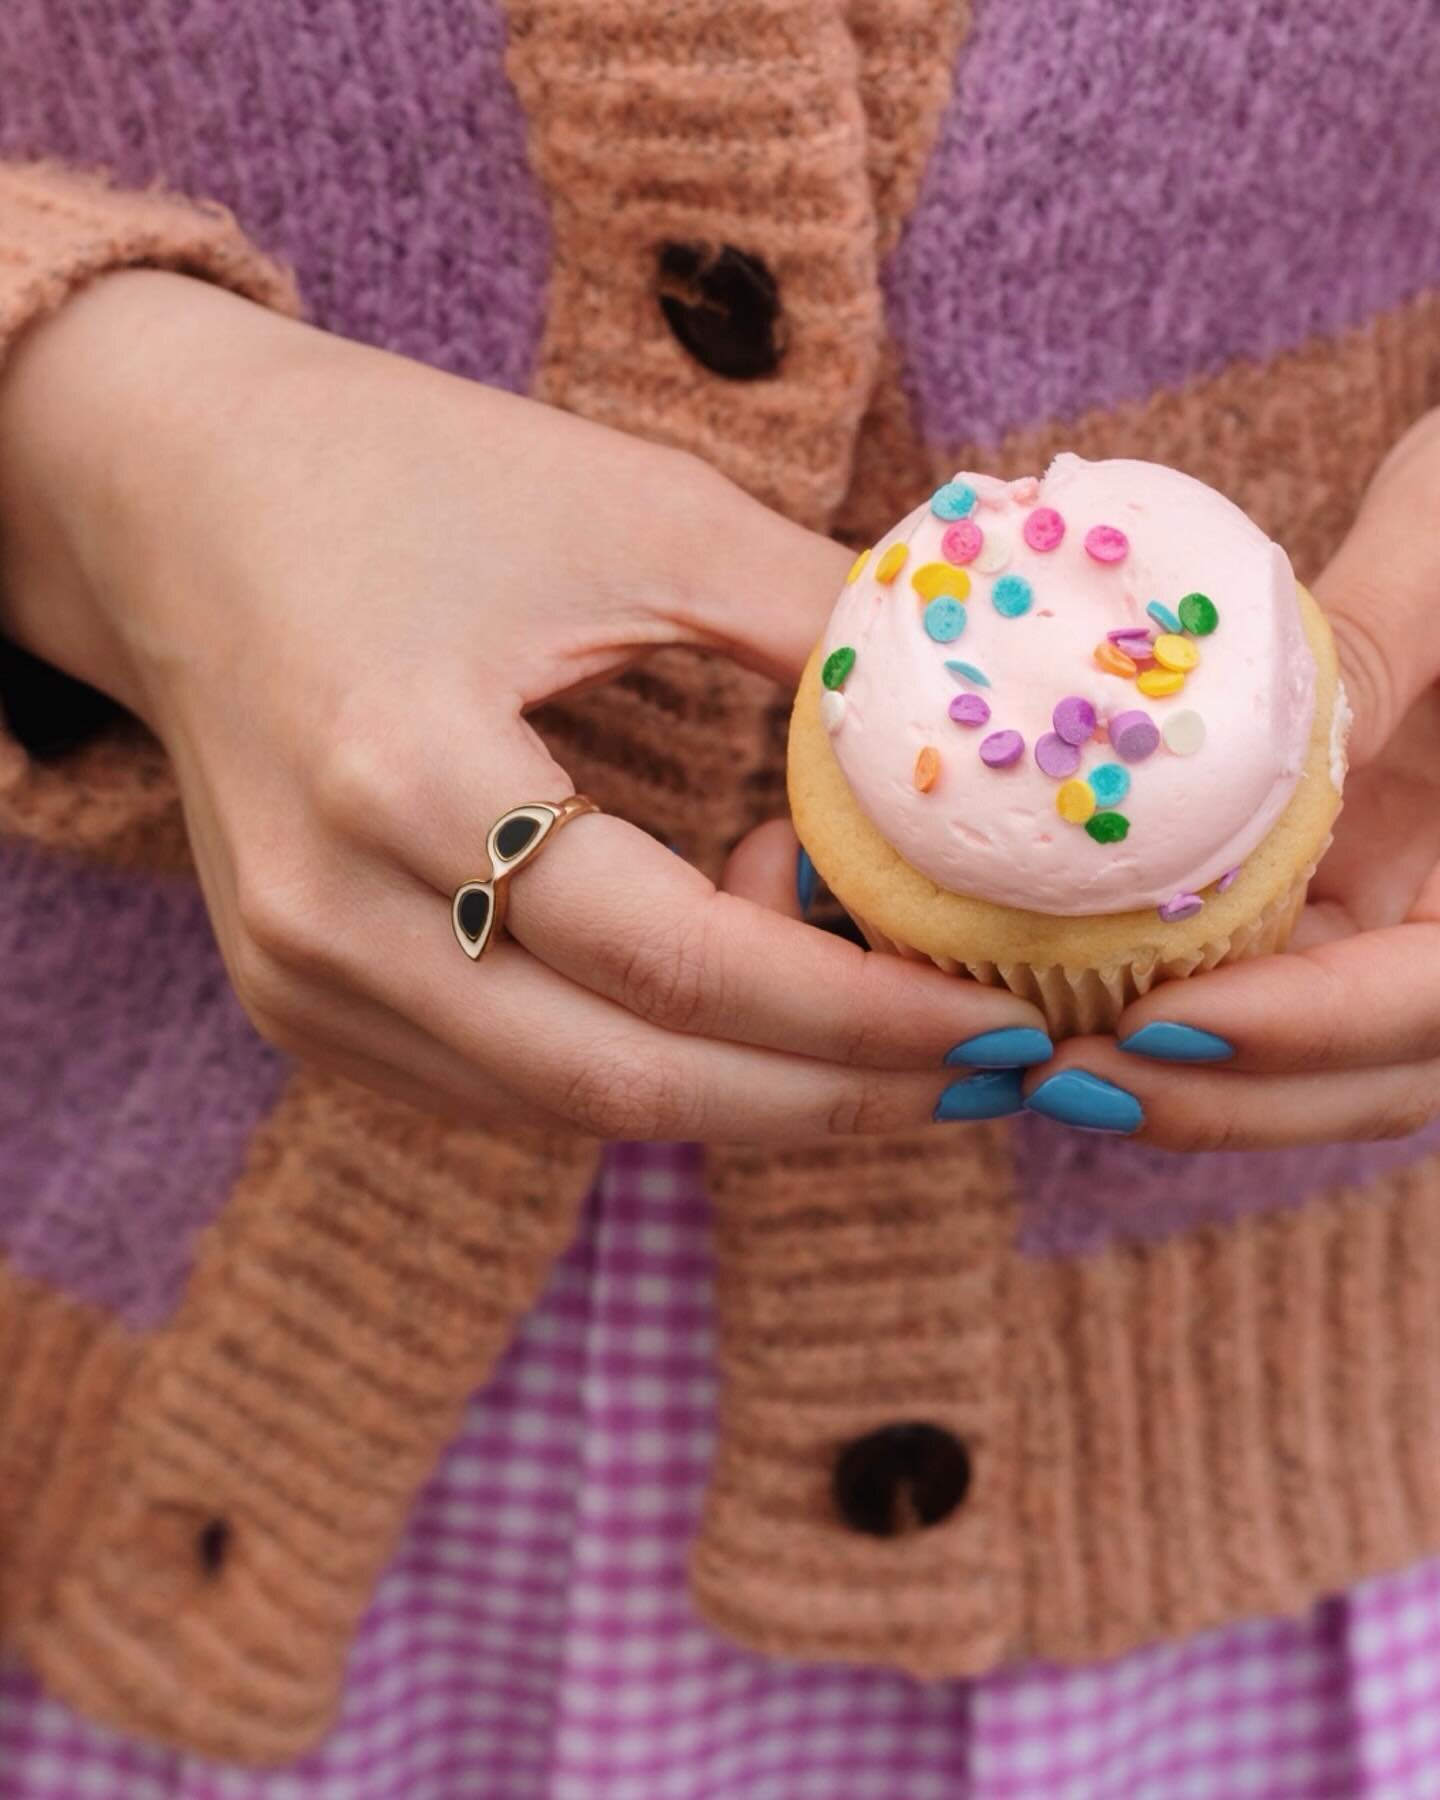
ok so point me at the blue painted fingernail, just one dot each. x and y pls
(1168, 1042)
(1015, 1047)
(1075, 1097)
(806, 880)
(993, 1095)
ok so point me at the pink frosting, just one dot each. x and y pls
(995, 833)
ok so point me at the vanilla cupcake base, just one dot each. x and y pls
(1081, 972)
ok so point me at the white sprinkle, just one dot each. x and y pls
(1184, 733)
(832, 710)
(995, 552)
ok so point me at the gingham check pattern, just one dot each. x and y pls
(533, 1640)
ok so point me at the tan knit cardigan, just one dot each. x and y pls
(1164, 1437)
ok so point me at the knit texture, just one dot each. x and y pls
(191, 1571)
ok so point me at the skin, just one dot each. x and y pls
(333, 582)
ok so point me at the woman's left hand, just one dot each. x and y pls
(1339, 1037)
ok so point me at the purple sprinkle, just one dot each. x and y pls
(1127, 631)
(1134, 736)
(1055, 757)
(970, 709)
(1074, 721)
(1227, 879)
(1002, 748)
(1182, 906)
(1133, 642)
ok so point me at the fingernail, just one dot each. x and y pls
(1015, 1047)
(994, 1095)
(1075, 1097)
(1169, 1042)
(806, 880)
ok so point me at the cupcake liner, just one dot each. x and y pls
(1076, 1001)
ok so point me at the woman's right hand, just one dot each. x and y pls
(333, 582)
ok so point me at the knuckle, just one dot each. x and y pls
(866, 1109)
(622, 1096)
(361, 790)
(1408, 1110)
(664, 979)
(280, 918)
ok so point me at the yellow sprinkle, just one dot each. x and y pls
(857, 568)
(1177, 653)
(940, 578)
(1075, 801)
(892, 562)
(927, 769)
(1157, 683)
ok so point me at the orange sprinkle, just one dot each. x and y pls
(1114, 661)
(927, 769)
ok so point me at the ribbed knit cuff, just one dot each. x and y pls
(59, 229)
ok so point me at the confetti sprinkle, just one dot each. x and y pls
(1011, 596)
(1199, 614)
(1227, 880)
(1157, 684)
(1109, 782)
(1181, 906)
(944, 619)
(994, 554)
(937, 578)
(1106, 544)
(1002, 749)
(1108, 827)
(1176, 653)
(1056, 758)
(857, 568)
(1073, 719)
(1163, 617)
(832, 711)
(891, 563)
(962, 543)
(1184, 733)
(1075, 802)
(1135, 642)
(927, 769)
(838, 665)
(1134, 736)
(956, 500)
(970, 709)
(1044, 529)
(963, 671)
(1113, 660)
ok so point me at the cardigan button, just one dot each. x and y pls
(899, 1479)
(724, 307)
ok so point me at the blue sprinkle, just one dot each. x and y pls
(1164, 618)
(1012, 595)
(944, 619)
(956, 500)
(968, 672)
(1109, 782)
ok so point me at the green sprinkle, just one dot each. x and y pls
(1198, 614)
(1108, 827)
(838, 665)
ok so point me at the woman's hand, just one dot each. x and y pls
(333, 582)
(1340, 1036)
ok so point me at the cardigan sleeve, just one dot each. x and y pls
(75, 771)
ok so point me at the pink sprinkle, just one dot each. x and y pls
(1227, 879)
(1002, 749)
(1134, 736)
(1055, 757)
(970, 709)
(961, 542)
(1025, 488)
(1182, 906)
(1107, 543)
(1044, 529)
(1073, 719)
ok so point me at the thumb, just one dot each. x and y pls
(1381, 591)
(751, 582)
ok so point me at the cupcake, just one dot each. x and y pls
(1076, 735)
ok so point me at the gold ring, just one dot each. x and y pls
(478, 909)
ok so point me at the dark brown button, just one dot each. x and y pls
(212, 1545)
(900, 1478)
(724, 307)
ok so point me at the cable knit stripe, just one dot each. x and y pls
(365, 1273)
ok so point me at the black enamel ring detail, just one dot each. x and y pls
(478, 909)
